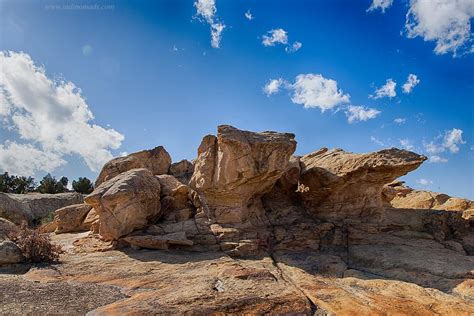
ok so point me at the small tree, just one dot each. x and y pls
(49, 184)
(83, 185)
(16, 184)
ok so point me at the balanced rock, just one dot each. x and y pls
(157, 160)
(344, 185)
(10, 253)
(237, 166)
(125, 203)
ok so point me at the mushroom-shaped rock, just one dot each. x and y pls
(157, 160)
(346, 185)
(126, 202)
(236, 166)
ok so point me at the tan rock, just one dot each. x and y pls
(346, 185)
(177, 191)
(71, 218)
(126, 202)
(10, 253)
(159, 241)
(5, 227)
(157, 160)
(32, 207)
(182, 170)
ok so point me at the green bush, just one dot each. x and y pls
(83, 185)
(49, 184)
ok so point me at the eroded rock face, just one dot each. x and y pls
(236, 166)
(31, 207)
(125, 203)
(345, 185)
(182, 170)
(157, 160)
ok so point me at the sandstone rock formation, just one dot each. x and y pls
(157, 160)
(344, 185)
(72, 218)
(126, 202)
(326, 233)
(34, 206)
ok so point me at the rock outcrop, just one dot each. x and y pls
(72, 218)
(32, 207)
(157, 160)
(125, 203)
(343, 185)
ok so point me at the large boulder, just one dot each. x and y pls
(343, 185)
(125, 203)
(182, 170)
(72, 218)
(238, 166)
(5, 228)
(32, 207)
(10, 253)
(157, 160)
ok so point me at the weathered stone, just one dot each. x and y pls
(126, 202)
(344, 185)
(182, 170)
(5, 227)
(32, 207)
(156, 160)
(159, 241)
(71, 218)
(177, 191)
(10, 253)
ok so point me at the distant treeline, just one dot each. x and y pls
(49, 184)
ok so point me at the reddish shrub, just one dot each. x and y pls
(35, 246)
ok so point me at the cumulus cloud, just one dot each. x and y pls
(248, 15)
(52, 116)
(412, 81)
(294, 47)
(387, 90)
(206, 9)
(359, 113)
(437, 159)
(400, 120)
(451, 141)
(315, 91)
(273, 86)
(277, 36)
(424, 182)
(381, 5)
(406, 144)
(446, 22)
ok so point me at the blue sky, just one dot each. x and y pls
(149, 74)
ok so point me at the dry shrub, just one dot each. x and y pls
(35, 246)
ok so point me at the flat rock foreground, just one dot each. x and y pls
(248, 228)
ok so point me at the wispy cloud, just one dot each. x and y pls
(381, 5)
(248, 15)
(400, 120)
(206, 9)
(294, 47)
(387, 90)
(276, 36)
(424, 182)
(412, 81)
(359, 113)
(273, 86)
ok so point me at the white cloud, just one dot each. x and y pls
(52, 115)
(26, 159)
(406, 144)
(273, 86)
(315, 91)
(207, 10)
(387, 90)
(380, 4)
(437, 159)
(216, 34)
(277, 36)
(447, 22)
(359, 113)
(412, 81)
(294, 47)
(450, 141)
(400, 120)
(248, 15)
(424, 182)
